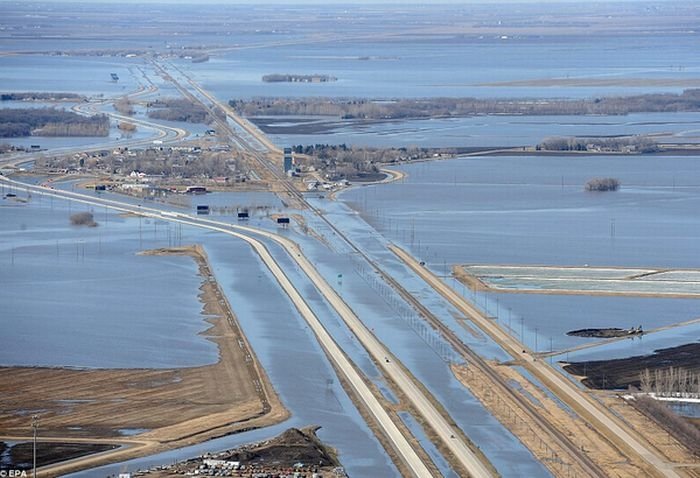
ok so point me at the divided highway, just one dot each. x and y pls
(334, 352)
(451, 436)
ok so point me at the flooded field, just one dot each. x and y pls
(143, 312)
(524, 211)
(587, 280)
(82, 297)
(480, 131)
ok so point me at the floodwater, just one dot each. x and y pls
(280, 338)
(534, 211)
(450, 66)
(414, 344)
(94, 303)
(480, 210)
(82, 297)
(84, 75)
(387, 69)
(489, 131)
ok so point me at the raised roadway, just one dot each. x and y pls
(166, 134)
(449, 434)
(595, 413)
(334, 352)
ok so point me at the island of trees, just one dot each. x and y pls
(358, 163)
(382, 109)
(602, 184)
(83, 219)
(15, 122)
(41, 97)
(287, 78)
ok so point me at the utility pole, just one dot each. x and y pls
(510, 329)
(35, 426)
(551, 350)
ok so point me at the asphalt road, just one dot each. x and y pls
(334, 352)
(595, 413)
(451, 436)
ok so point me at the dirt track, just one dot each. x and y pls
(176, 407)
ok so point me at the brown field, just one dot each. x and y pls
(175, 406)
(536, 439)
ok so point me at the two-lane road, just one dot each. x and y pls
(596, 414)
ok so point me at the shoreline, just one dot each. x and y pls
(184, 406)
(392, 175)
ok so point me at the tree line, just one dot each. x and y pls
(181, 109)
(41, 96)
(366, 108)
(16, 122)
(639, 144)
(343, 161)
(669, 382)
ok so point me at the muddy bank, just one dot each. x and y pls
(622, 373)
(168, 407)
(605, 333)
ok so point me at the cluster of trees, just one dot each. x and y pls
(50, 122)
(40, 97)
(181, 109)
(602, 184)
(342, 153)
(194, 54)
(126, 127)
(124, 106)
(281, 78)
(363, 108)
(83, 219)
(639, 144)
(669, 382)
(343, 161)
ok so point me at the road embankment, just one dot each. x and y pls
(170, 407)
